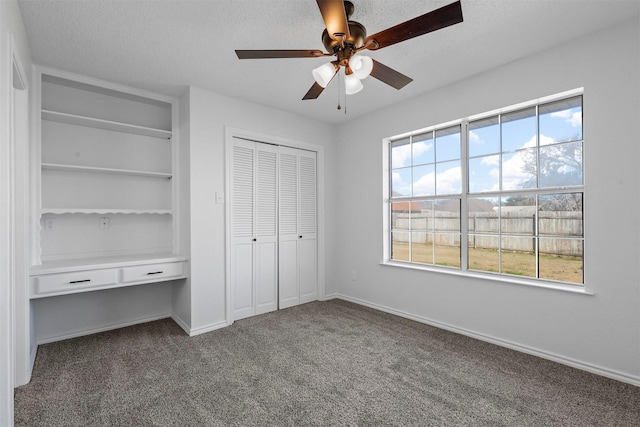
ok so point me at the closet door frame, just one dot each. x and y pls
(230, 134)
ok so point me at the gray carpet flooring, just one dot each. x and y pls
(320, 364)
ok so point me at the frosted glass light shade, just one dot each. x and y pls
(361, 66)
(352, 84)
(324, 73)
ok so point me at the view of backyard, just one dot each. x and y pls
(552, 267)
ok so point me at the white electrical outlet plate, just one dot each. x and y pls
(219, 198)
(48, 223)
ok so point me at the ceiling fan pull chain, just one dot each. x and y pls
(340, 85)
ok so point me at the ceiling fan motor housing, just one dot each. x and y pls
(358, 33)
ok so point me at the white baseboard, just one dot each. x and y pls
(185, 327)
(598, 370)
(329, 297)
(208, 328)
(103, 328)
(198, 331)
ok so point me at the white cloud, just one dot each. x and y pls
(564, 114)
(576, 119)
(448, 182)
(401, 155)
(544, 140)
(474, 138)
(424, 185)
(399, 185)
(490, 160)
(573, 118)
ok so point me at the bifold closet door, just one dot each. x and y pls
(254, 236)
(298, 253)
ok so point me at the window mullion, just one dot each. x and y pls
(464, 203)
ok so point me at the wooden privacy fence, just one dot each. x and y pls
(559, 232)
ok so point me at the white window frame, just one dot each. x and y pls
(465, 195)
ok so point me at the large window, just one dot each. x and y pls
(499, 193)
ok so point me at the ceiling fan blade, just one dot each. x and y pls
(335, 18)
(314, 92)
(282, 53)
(389, 75)
(432, 21)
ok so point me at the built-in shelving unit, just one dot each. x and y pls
(107, 192)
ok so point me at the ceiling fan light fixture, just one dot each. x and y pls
(352, 84)
(324, 73)
(361, 65)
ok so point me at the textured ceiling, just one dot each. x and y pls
(165, 46)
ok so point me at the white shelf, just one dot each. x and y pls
(74, 119)
(60, 211)
(94, 169)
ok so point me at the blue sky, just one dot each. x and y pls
(558, 122)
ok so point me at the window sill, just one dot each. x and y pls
(576, 289)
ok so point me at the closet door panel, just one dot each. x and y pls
(242, 279)
(308, 270)
(288, 221)
(308, 249)
(288, 197)
(266, 278)
(308, 194)
(242, 228)
(288, 278)
(242, 189)
(266, 245)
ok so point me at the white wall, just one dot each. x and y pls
(12, 41)
(600, 332)
(210, 114)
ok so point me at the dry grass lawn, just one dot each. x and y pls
(561, 268)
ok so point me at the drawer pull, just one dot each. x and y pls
(155, 272)
(79, 281)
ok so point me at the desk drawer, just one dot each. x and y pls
(152, 272)
(77, 280)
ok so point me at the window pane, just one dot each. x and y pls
(519, 130)
(447, 249)
(401, 182)
(421, 216)
(519, 170)
(446, 216)
(400, 153)
(484, 173)
(561, 164)
(561, 259)
(422, 248)
(518, 216)
(400, 246)
(484, 137)
(518, 256)
(561, 121)
(424, 178)
(448, 144)
(448, 178)
(400, 223)
(423, 149)
(482, 255)
(560, 215)
(483, 233)
(483, 215)
(400, 216)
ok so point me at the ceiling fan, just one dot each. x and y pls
(343, 38)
